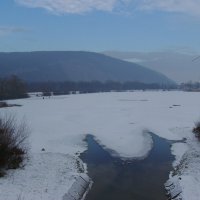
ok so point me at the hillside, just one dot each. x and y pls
(178, 66)
(75, 66)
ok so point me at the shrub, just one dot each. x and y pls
(13, 143)
(3, 104)
(196, 130)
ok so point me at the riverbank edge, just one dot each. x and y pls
(79, 188)
(185, 168)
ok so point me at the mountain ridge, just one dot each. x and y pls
(75, 66)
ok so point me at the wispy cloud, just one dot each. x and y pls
(70, 6)
(191, 7)
(8, 30)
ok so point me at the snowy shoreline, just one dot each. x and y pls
(79, 188)
(184, 180)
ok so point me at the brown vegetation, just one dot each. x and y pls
(196, 130)
(13, 143)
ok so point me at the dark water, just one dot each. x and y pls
(115, 179)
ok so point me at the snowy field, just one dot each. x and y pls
(119, 121)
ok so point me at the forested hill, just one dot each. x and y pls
(75, 66)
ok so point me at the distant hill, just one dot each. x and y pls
(75, 66)
(178, 66)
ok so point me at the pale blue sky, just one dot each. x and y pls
(100, 25)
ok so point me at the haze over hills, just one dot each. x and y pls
(179, 66)
(75, 66)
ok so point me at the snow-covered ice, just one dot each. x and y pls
(119, 121)
(178, 150)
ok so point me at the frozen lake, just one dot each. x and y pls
(119, 121)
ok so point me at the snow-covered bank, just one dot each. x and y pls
(46, 176)
(185, 178)
(118, 121)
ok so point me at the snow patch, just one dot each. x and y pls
(46, 176)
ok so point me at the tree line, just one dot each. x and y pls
(90, 87)
(190, 86)
(12, 88)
